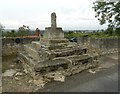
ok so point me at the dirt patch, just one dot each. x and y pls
(14, 78)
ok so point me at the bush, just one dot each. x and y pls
(117, 31)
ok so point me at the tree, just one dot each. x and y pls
(24, 30)
(108, 11)
(13, 33)
(109, 31)
(117, 31)
(1, 29)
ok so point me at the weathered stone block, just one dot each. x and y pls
(36, 45)
(52, 64)
(53, 42)
(69, 51)
(54, 33)
(27, 63)
(31, 52)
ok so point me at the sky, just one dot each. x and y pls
(71, 14)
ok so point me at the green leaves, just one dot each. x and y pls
(108, 11)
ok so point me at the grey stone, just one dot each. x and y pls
(55, 54)
(9, 72)
(53, 20)
(31, 52)
(53, 35)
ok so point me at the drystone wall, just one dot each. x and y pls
(104, 44)
(10, 47)
(12, 41)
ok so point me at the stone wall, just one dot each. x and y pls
(10, 47)
(104, 44)
(8, 50)
(12, 41)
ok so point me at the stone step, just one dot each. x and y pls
(50, 42)
(27, 63)
(50, 54)
(36, 45)
(80, 58)
(68, 48)
(52, 47)
(31, 52)
(51, 65)
(65, 62)
(53, 62)
(68, 52)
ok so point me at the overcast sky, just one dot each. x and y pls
(71, 14)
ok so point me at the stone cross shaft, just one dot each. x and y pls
(53, 20)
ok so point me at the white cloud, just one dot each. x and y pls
(36, 13)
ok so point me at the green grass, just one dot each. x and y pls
(91, 35)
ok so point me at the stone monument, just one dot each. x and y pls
(53, 35)
(53, 53)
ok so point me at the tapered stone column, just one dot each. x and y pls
(53, 20)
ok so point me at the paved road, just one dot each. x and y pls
(105, 80)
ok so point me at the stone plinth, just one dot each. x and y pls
(53, 33)
(53, 36)
(54, 43)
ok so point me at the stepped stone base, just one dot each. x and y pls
(53, 42)
(67, 60)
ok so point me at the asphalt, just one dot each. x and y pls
(105, 80)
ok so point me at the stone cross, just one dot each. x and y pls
(53, 20)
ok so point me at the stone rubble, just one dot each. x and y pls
(9, 73)
(56, 76)
(18, 74)
(91, 71)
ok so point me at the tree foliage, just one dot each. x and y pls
(24, 30)
(1, 29)
(108, 11)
